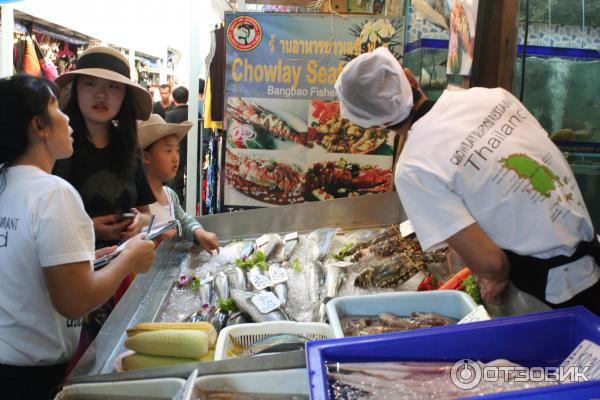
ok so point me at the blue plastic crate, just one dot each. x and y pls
(532, 340)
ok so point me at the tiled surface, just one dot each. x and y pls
(567, 36)
(543, 34)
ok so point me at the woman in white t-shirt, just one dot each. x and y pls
(479, 173)
(47, 281)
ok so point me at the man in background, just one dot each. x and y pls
(179, 114)
(164, 105)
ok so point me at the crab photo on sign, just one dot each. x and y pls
(336, 135)
(332, 176)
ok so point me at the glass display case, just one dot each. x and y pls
(426, 45)
(557, 76)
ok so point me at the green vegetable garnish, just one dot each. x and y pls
(296, 266)
(472, 288)
(257, 259)
(262, 265)
(343, 252)
(194, 283)
(227, 305)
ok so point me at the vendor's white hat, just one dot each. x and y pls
(108, 63)
(155, 128)
(373, 90)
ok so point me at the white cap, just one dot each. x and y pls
(373, 90)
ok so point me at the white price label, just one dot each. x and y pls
(406, 228)
(278, 276)
(262, 240)
(260, 282)
(587, 354)
(266, 302)
(478, 314)
(342, 264)
(290, 236)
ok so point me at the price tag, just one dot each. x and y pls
(206, 280)
(478, 314)
(278, 275)
(290, 236)
(266, 302)
(587, 354)
(342, 264)
(262, 240)
(260, 282)
(406, 228)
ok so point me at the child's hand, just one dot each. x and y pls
(208, 240)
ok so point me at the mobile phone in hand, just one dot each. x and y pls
(128, 216)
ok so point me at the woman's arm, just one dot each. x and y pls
(75, 289)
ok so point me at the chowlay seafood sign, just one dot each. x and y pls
(286, 142)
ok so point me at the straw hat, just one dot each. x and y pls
(155, 128)
(108, 63)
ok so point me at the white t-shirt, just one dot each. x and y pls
(479, 156)
(162, 213)
(42, 223)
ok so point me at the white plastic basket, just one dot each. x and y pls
(449, 303)
(165, 388)
(286, 381)
(248, 334)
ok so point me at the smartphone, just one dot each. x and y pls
(128, 216)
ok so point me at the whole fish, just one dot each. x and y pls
(333, 280)
(222, 285)
(313, 273)
(219, 319)
(237, 278)
(247, 250)
(319, 242)
(243, 301)
(291, 241)
(263, 345)
(236, 318)
(280, 289)
(206, 287)
(270, 244)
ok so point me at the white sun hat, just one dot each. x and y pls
(373, 90)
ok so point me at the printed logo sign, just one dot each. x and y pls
(244, 33)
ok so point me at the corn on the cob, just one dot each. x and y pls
(170, 342)
(139, 361)
(155, 326)
(210, 356)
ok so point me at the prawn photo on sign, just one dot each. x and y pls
(267, 124)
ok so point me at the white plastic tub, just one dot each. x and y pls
(248, 334)
(449, 303)
(286, 381)
(164, 388)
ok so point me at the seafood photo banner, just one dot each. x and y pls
(285, 140)
(463, 21)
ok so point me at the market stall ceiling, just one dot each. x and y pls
(149, 27)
